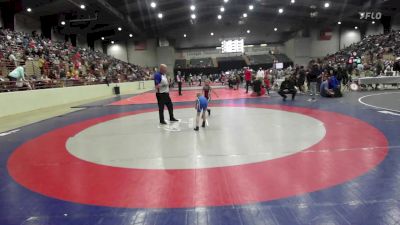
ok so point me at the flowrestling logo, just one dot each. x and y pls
(370, 15)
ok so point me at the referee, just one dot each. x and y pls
(162, 94)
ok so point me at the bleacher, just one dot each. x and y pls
(201, 63)
(261, 59)
(282, 58)
(180, 63)
(44, 59)
(228, 63)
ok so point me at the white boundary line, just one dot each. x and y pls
(9, 132)
(377, 107)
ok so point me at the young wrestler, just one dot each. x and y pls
(207, 91)
(201, 107)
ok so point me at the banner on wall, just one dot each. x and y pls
(140, 45)
(326, 34)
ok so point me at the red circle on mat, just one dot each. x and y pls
(43, 165)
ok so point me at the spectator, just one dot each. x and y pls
(18, 76)
(301, 79)
(312, 79)
(287, 87)
(334, 85)
(247, 77)
(396, 67)
(324, 89)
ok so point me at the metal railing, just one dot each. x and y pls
(12, 86)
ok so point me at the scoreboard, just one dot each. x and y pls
(232, 46)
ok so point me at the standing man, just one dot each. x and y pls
(179, 80)
(312, 79)
(396, 67)
(162, 94)
(247, 77)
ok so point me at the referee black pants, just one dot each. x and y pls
(164, 99)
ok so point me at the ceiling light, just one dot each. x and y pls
(248, 31)
(226, 1)
(373, 22)
(280, 10)
(193, 16)
(160, 15)
(244, 15)
(102, 38)
(222, 9)
(339, 22)
(112, 42)
(192, 7)
(83, 6)
(212, 34)
(63, 23)
(327, 4)
(131, 35)
(263, 45)
(119, 28)
(219, 17)
(293, 1)
(251, 7)
(356, 27)
(29, 10)
(153, 4)
(184, 35)
(275, 29)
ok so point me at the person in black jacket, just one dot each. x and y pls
(301, 79)
(342, 76)
(396, 67)
(312, 79)
(287, 87)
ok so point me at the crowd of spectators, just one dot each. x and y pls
(374, 56)
(45, 61)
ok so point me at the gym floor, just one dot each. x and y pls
(258, 161)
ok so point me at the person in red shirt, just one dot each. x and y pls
(247, 77)
(267, 82)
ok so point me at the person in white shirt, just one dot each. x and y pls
(162, 94)
(260, 74)
(190, 80)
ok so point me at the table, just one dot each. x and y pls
(379, 80)
(141, 83)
